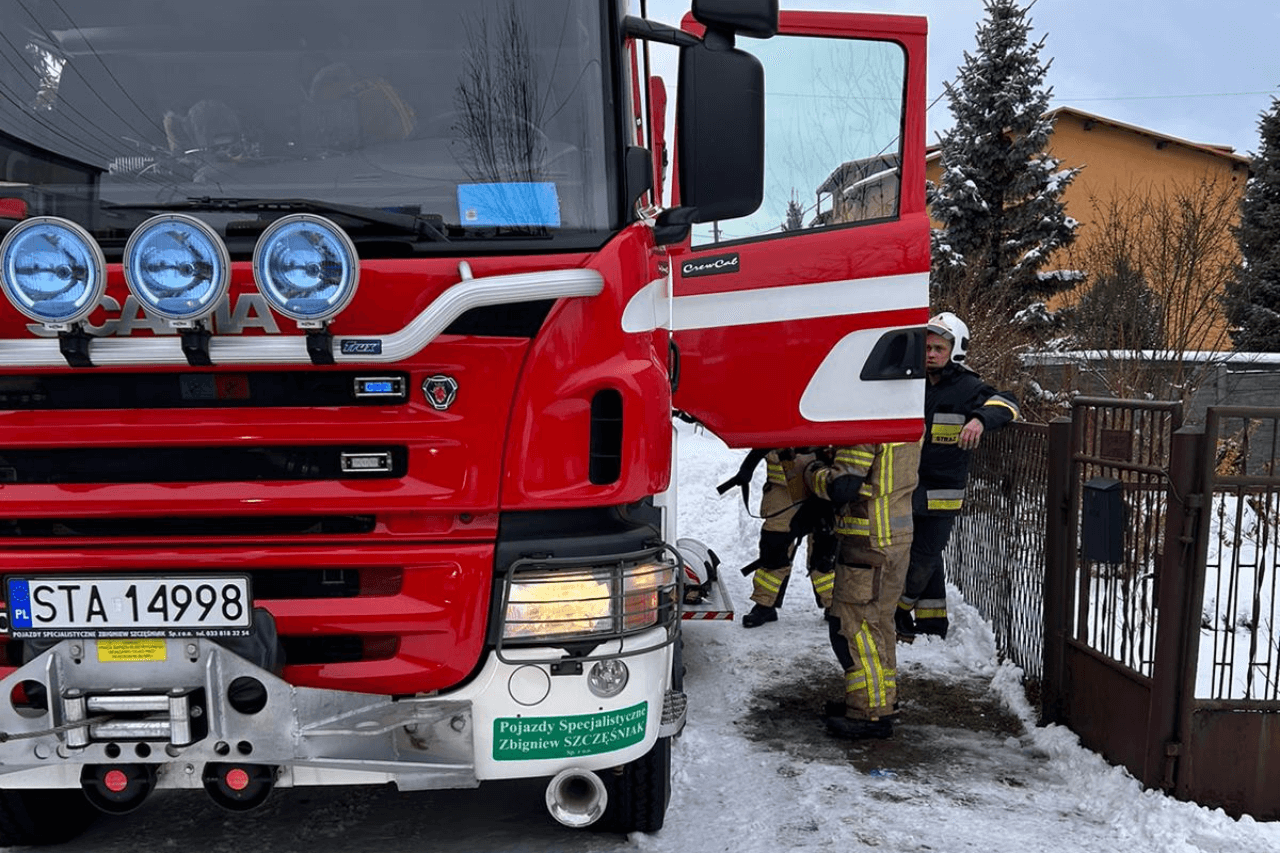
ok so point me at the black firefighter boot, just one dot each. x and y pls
(758, 615)
(762, 613)
(857, 729)
(904, 624)
(838, 708)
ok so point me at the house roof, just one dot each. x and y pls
(854, 170)
(1224, 151)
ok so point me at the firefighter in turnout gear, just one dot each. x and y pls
(959, 408)
(871, 487)
(790, 514)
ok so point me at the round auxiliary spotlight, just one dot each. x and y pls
(177, 267)
(52, 270)
(306, 267)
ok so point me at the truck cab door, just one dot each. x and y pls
(803, 322)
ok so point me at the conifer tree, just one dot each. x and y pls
(1253, 298)
(998, 201)
(1119, 312)
(795, 214)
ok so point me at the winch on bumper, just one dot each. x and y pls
(189, 713)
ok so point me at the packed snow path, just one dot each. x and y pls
(755, 771)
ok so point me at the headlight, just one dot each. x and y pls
(306, 268)
(608, 678)
(177, 267)
(52, 270)
(569, 604)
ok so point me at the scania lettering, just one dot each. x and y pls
(340, 347)
(250, 312)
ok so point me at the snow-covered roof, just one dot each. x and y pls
(932, 152)
(859, 170)
(1216, 150)
(1235, 359)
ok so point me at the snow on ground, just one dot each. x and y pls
(746, 781)
(755, 770)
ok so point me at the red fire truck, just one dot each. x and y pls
(339, 350)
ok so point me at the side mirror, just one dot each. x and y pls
(755, 18)
(720, 129)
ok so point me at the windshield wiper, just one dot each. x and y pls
(417, 224)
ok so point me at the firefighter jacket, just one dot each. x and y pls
(872, 484)
(958, 396)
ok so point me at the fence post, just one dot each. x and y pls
(1178, 613)
(1058, 574)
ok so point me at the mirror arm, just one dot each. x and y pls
(719, 39)
(673, 224)
(654, 31)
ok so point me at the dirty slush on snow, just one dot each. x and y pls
(945, 723)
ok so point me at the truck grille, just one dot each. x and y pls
(100, 465)
(289, 389)
(187, 528)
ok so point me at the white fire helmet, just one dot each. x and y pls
(952, 328)
(699, 569)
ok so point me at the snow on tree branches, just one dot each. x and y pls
(1252, 299)
(999, 199)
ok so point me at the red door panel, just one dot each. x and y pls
(778, 331)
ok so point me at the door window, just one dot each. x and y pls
(833, 136)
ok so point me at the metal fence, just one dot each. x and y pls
(1121, 448)
(996, 553)
(1127, 562)
(1239, 649)
(996, 556)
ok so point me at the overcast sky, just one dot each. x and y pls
(1198, 70)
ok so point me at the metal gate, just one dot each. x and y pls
(1161, 602)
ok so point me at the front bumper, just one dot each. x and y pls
(176, 705)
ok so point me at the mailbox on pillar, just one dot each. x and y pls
(1102, 521)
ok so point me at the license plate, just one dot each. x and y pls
(59, 607)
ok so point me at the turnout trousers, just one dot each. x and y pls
(777, 545)
(861, 627)
(925, 591)
(779, 504)
(769, 585)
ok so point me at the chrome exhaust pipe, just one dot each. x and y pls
(576, 797)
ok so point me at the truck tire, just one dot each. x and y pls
(639, 792)
(33, 818)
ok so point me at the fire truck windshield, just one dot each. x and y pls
(486, 119)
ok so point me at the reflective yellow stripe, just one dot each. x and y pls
(945, 433)
(823, 582)
(767, 582)
(944, 498)
(876, 678)
(820, 483)
(848, 525)
(931, 608)
(997, 401)
(774, 473)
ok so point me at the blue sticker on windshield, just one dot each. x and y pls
(490, 205)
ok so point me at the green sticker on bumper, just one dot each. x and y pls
(525, 738)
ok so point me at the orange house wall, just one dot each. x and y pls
(1120, 159)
